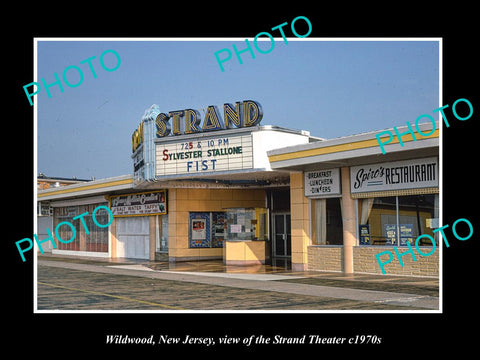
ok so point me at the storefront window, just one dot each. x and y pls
(162, 226)
(247, 224)
(327, 224)
(381, 217)
(97, 238)
(67, 214)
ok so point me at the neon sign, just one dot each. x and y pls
(243, 114)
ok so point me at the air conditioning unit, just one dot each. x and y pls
(44, 209)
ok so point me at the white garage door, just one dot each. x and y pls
(133, 237)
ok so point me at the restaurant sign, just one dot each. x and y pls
(139, 204)
(396, 175)
(322, 183)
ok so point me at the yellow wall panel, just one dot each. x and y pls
(185, 201)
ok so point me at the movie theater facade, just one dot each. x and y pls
(235, 190)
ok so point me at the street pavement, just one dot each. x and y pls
(86, 284)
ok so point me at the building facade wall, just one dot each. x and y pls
(349, 222)
(330, 258)
(183, 201)
(325, 258)
(300, 222)
(364, 261)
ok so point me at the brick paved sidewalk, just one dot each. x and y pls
(373, 292)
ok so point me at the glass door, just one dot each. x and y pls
(281, 235)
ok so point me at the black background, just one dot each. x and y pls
(407, 334)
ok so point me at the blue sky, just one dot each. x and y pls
(330, 88)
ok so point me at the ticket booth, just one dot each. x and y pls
(247, 234)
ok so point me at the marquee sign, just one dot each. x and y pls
(194, 156)
(243, 114)
(212, 154)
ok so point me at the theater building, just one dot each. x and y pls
(235, 190)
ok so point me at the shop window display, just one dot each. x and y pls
(97, 238)
(327, 224)
(247, 224)
(380, 218)
(207, 229)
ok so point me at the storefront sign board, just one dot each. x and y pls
(139, 204)
(396, 175)
(322, 183)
